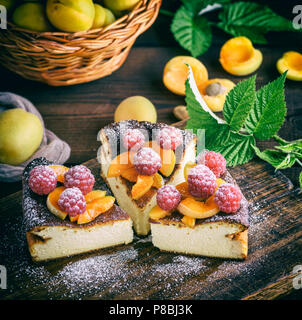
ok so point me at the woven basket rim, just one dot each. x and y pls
(58, 33)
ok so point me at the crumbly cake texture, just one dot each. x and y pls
(110, 137)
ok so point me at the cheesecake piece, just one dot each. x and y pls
(139, 209)
(221, 235)
(50, 237)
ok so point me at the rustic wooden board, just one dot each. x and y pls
(140, 271)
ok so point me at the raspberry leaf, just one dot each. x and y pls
(192, 32)
(268, 113)
(251, 20)
(238, 149)
(239, 102)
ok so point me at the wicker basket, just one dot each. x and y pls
(62, 59)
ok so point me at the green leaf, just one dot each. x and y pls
(268, 113)
(300, 180)
(273, 157)
(251, 20)
(192, 32)
(239, 103)
(196, 6)
(238, 149)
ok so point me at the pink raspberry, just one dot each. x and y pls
(202, 181)
(42, 180)
(72, 201)
(133, 139)
(215, 161)
(168, 197)
(80, 177)
(169, 138)
(147, 162)
(228, 198)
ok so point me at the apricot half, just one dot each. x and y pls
(214, 92)
(292, 62)
(60, 171)
(239, 57)
(197, 209)
(176, 73)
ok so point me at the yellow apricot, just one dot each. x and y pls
(215, 100)
(176, 73)
(291, 61)
(239, 57)
(136, 108)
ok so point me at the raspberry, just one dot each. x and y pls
(133, 139)
(168, 197)
(42, 180)
(72, 201)
(228, 198)
(169, 138)
(215, 161)
(202, 181)
(146, 161)
(80, 177)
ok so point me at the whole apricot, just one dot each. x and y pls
(31, 16)
(292, 62)
(239, 57)
(71, 15)
(99, 18)
(214, 92)
(109, 17)
(120, 5)
(21, 134)
(136, 108)
(176, 73)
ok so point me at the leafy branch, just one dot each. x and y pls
(249, 114)
(193, 31)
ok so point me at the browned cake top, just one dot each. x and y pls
(36, 213)
(241, 216)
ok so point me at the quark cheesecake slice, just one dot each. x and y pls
(125, 158)
(198, 226)
(52, 233)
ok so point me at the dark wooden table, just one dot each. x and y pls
(77, 113)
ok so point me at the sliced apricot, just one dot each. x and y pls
(176, 73)
(189, 221)
(183, 188)
(60, 171)
(219, 182)
(189, 165)
(157, 213)
(158, 181)
(198, 209)
(119, 164)
(239, 57)
(130, 174)
(292, 62)
(142, 186)
(94, 194)
(74, 219)
(52, 203)
(167, 162)
(214, 92)
(95, 208)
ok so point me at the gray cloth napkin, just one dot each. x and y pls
(52, 148)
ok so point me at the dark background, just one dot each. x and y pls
(77, 113)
